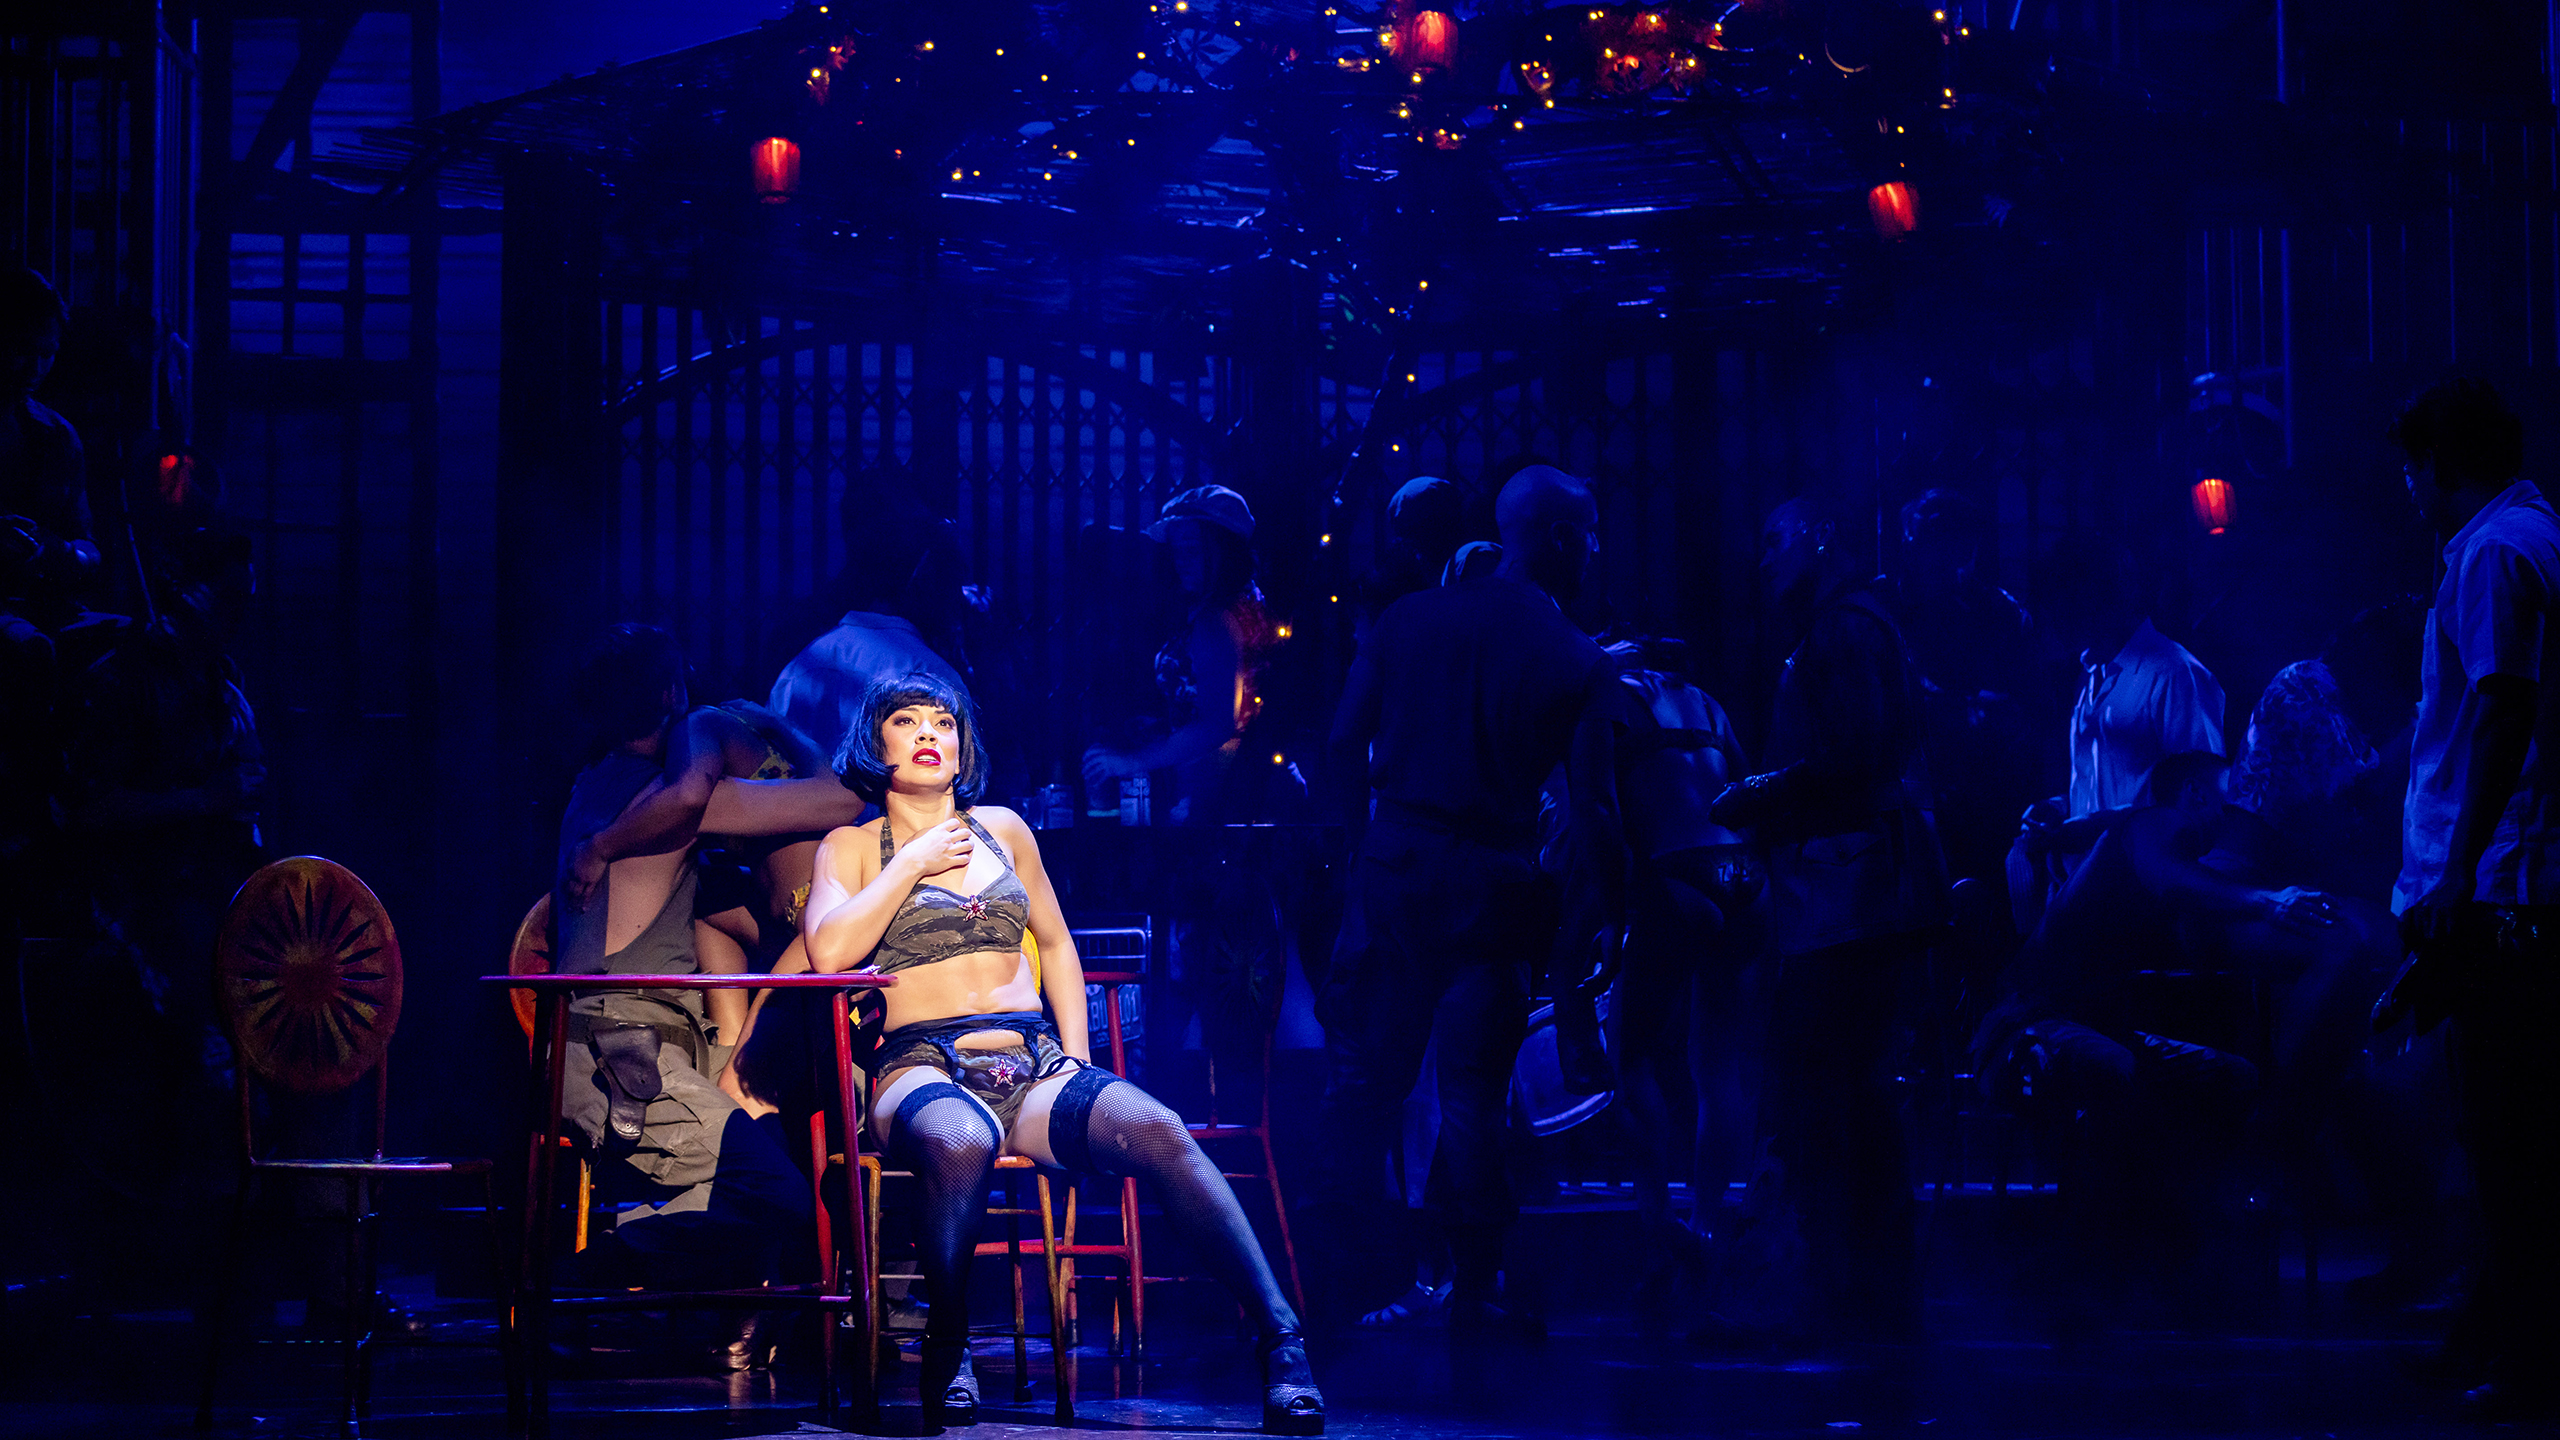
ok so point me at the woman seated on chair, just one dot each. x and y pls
(941, 894)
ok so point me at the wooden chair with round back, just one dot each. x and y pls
(307, 982)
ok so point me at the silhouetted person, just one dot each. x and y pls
(2480, 860)
(2312, 806)
(1208, 677)
(2388, 1118)
(739, 765)
(1475, 560)
(705, 1197)
(1858, 890)
(2161, 1115)
(48, 559)
(1427, 522)
(1681, 1041)
(1976, 654)
(1463, 700)
(165, 782)
(2142, 696)
(2373, 662)
(2301, 767)
(1428, 518)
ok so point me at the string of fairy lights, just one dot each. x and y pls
(1403, 74)
(1399, 87)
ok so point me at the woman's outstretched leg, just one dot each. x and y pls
(950, 1142)
(1101, 1124)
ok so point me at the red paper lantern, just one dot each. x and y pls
(777, 167)
(177, 477)
(2212, 501)
(1429, 39)
(1894, 208)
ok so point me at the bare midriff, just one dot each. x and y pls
(992, 982)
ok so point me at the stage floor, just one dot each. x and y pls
(133, 1377)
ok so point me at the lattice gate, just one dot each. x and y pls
(739, 441)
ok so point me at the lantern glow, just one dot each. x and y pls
(1429, 40)
(777, 170)
(2212, 501)
(177, 477)
(1894, 208)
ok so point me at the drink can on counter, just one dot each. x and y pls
(1133, 801)
(1055, 807)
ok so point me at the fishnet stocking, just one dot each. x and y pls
(1129, 1132)
(950, 1145)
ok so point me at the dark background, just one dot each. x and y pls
(2169, 247)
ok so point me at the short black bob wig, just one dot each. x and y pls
(863, 767)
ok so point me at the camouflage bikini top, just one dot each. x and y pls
(938, 923)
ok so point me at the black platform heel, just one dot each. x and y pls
(950, 1388)
(750, 1345)
(1291, 1404)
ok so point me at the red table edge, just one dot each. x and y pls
(548, 981)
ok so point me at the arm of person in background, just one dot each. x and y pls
(53, 543)
(2167, 873)
(2491, 772)
(699, 793)
(2429, 985)
(666, 814)
(779, 807)
(853, 897)
(2188, 710)
(1213, 653)
(1061, 969)
(1848, 673)
(1355, 724)
(35, 553)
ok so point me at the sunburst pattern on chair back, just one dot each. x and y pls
(307, 975)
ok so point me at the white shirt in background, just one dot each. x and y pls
(2501, 575)
(2151, 700)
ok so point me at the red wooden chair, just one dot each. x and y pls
(1013, 1247)
(847, 1274)
(531, 955)
(1114, 946)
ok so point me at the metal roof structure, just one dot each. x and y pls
(1111, 168)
